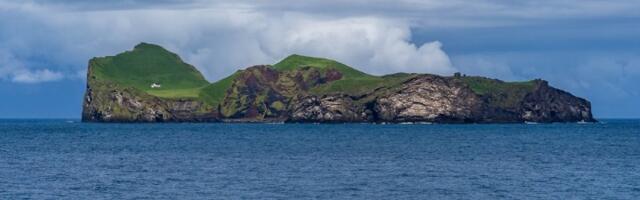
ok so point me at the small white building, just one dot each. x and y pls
(155, 85)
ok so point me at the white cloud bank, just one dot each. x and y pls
(218, 40)
(219, 37)
(12, 70)
(35, 76)
(374, 45)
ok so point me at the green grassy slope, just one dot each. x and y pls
(505, 94)
(482, 85)
(295, 61)
(353, 81)
(147, 64)
(359, 86)
(213, 94)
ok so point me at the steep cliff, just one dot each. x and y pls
(151, 84)
(119, 88)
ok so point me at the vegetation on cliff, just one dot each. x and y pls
(150, 83)
(147, 64)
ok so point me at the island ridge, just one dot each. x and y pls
(151, 84)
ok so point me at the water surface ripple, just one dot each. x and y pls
(55, 159)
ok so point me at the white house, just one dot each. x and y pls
(155, 85)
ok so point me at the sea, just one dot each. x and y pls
(66, 159)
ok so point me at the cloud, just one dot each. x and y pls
(374, 45)
(220, 37)
(35, 76)
(431, 13)
(218, 41)
(579, 45)
(11, 69)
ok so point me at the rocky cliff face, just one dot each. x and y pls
(423, 98)
(548, 104)
(318, 90)
(429, 98)
(330, 108)
(109, 102)
(263, 94)
(129, 106)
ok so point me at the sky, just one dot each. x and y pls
(586, 47)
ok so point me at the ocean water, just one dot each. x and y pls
(58, 159)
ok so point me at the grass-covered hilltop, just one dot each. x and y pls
(151, 84)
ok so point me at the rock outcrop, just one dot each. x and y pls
(306, 89)
(106, 100)
(429, 98)
(108, 104)
(548, 104)
(330, 108)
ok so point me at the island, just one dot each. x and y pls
(152, 84)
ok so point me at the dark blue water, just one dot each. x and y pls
(54, 159)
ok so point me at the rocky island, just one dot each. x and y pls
(151, 84)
